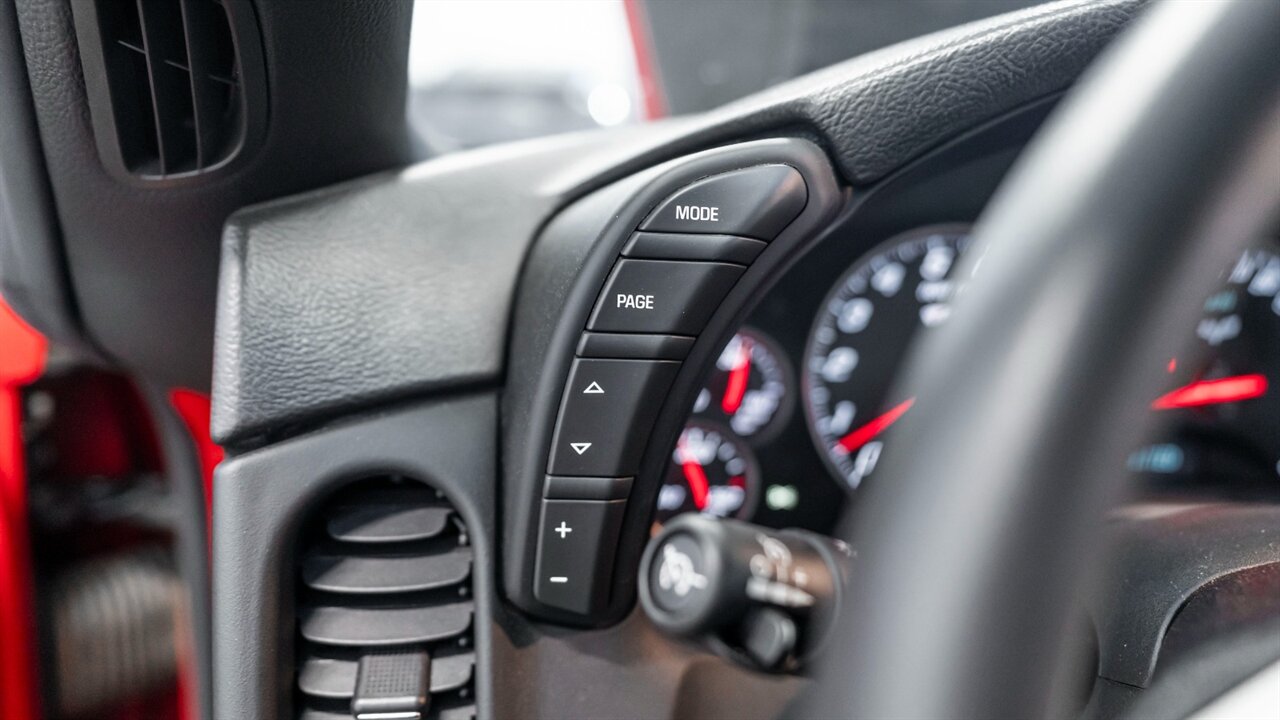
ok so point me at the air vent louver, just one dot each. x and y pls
(168, 82)
(384, 588)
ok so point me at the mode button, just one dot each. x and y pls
(756, 202)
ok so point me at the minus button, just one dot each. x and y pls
(558, 579)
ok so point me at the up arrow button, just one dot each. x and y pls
(593, 389)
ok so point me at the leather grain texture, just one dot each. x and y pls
(884, 108)
(401, 284)
(395, 284)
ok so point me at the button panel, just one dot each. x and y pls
(576, 540)
(608, 408)
(671, 277)
(662, 296)
(756, 202)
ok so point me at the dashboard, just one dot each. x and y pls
(792, 419)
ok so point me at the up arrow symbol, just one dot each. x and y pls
(579, 447)
(593, 389)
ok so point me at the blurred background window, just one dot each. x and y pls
(491, 71)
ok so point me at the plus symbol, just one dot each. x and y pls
(563, 530)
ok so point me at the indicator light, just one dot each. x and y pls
(782, 497)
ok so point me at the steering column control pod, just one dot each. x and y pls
(764, 596)
(633, 287)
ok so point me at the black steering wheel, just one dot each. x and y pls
(1093, 258)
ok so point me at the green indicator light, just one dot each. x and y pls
(781, 497)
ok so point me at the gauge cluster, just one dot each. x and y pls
(794, 416)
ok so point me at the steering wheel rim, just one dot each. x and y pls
(1094, 258)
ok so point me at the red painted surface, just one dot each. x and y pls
(653, 103)
(194, 407)
(22, 356)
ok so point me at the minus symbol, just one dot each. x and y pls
(559, 579)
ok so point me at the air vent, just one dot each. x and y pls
(384, 607)
(174, 85)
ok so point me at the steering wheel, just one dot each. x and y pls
(1091, 264)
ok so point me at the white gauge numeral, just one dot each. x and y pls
(934, 314)
(839, 364)
(1267, 281)
(888, 279)
(841, 418)
(854, 315)
(937, 263)
(1217, 331)
(864, 462)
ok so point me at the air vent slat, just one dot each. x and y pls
(380, 627)
(465, 712)
(171, 82)
(386, 522)
(128, 82)
(335, 678)
(313, 714)
(328, 678)
(331, 572)
(207, 60)
(451, 672)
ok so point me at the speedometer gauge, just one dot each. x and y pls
(861, 335)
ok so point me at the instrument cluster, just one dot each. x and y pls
(801, 403)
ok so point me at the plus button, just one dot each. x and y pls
(563, 530)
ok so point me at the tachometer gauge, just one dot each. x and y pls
(712, 472)
(861, 335)
(749, 388)
(1224, 411)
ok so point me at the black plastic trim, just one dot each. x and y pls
(587, 488)
(638, 346)
(686, 246)
(191, 534)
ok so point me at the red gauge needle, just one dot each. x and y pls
(736, 387)
(866, 433)
(695, 475)
(1213, 392)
